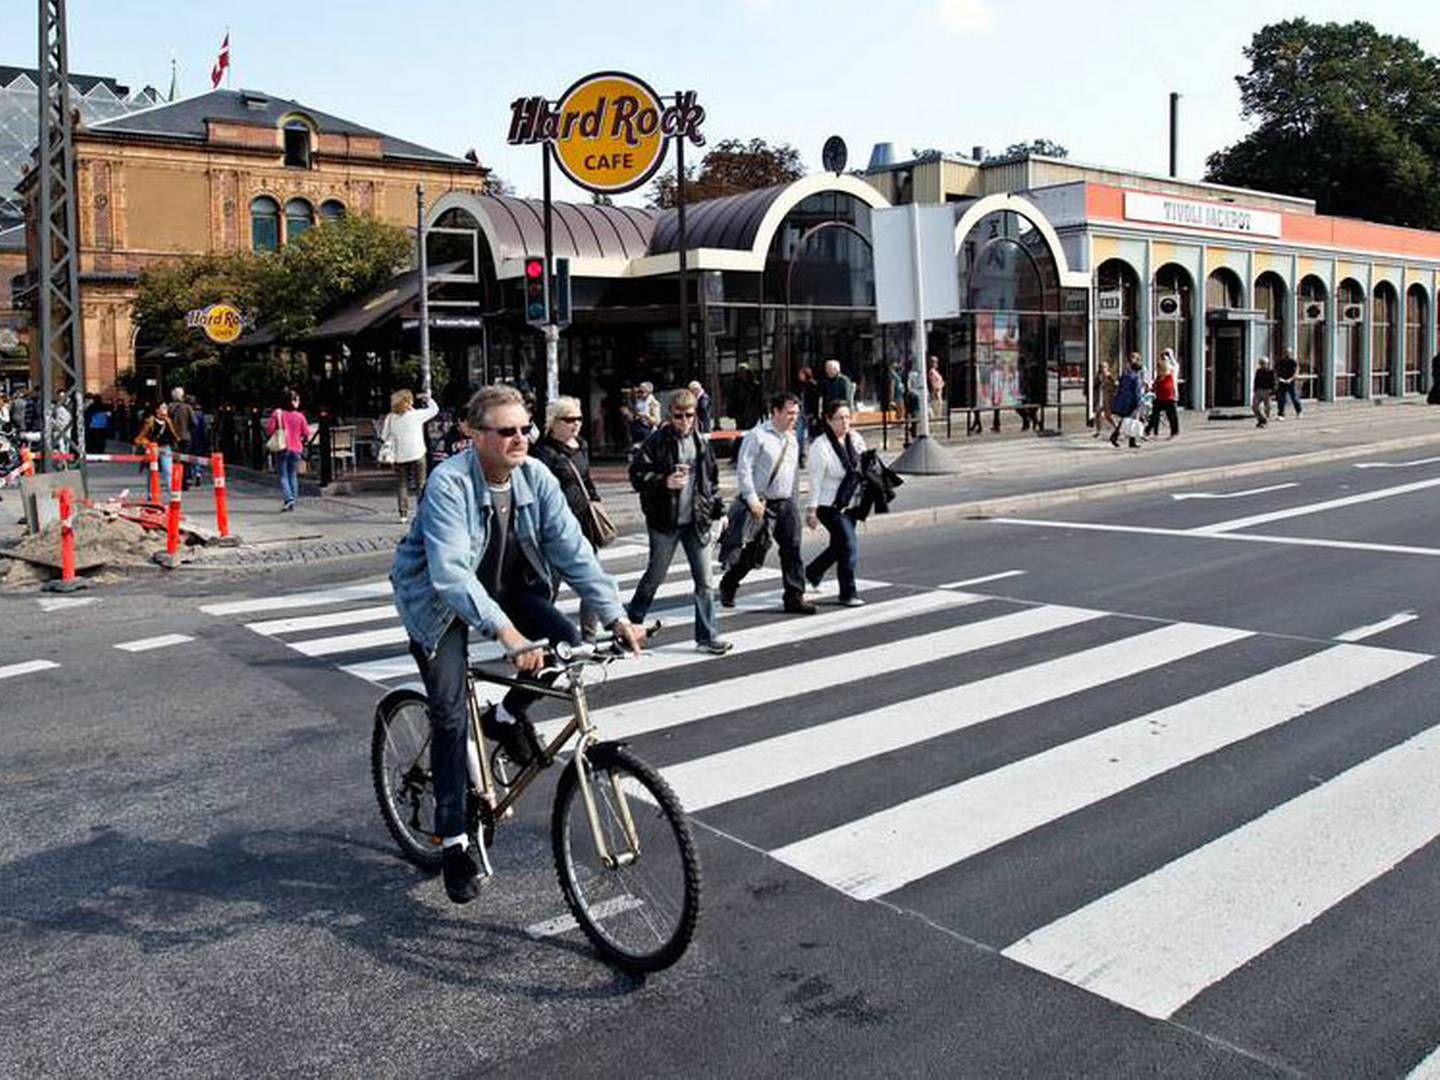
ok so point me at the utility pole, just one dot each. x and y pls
(552, 331)
(1174, 134)
(683, 262)
(424, 291)
(61, 353)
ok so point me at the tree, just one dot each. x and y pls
(1040, 147)
(1346, 115)
(731, 167)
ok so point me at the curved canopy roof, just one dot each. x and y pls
(515, 227)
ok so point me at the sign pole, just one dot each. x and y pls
(920, 363)
(552, 332)
(683, 262)
(424, 292)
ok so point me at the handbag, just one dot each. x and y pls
(386, 454)
(601, 529)
(1131, 428)
(278, 443)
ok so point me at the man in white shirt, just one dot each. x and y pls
(768, 473)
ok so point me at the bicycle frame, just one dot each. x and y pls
(579, 723)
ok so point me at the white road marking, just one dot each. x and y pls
(11, 670)
(1429, 1069)
(762, 688)
(1318, 508)
(61, 603)
(1361, 632)
(891, 848)
(798, 755)
(676, 654)
(1249, 538)
(1158, 942)
(564, 923)
(981, 580)
(1181, 496)
(317, 598)
(1396, 464)
(146, 644)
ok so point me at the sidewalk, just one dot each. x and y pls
(996, 474)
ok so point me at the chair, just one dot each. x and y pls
(342, 447)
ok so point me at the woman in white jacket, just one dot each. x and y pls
(834, 480)
(402, 444)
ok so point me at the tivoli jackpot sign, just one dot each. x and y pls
(609, 131)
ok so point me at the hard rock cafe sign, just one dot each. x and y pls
(609, 131)
(222, 323)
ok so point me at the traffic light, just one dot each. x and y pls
(537, 292)
(562, 291)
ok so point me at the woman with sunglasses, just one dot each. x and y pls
(565, 452)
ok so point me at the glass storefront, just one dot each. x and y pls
(1310, 336)
(1349, 338)
(1117, 291)
(1417, 316)
(1383, 339)
(1174, 304)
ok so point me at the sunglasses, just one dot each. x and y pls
(682, 415)
(505, 432)
(569, 419)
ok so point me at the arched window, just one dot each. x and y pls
(1310, 315)
(332, 210)
(299, 216)
(1117, 291)
(1225, 341)
(264, 224)
(1417, 314)
(1349, 337)
(1222, 290)
(1270, 302)
(1383, 337)
(297, 144)
(1174, 299)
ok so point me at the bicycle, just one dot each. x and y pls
(623, 850)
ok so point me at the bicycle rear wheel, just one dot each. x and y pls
(641, 909)
(400, 769)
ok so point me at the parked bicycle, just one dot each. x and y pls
(623, 849)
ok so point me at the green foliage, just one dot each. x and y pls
(406, 372)
(730, 167)
(1039, 147)
(1345, 115)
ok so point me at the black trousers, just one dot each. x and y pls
(782, 521)
(1168, 410)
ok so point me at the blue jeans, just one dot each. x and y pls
(843, 552)
(662, 551)
(1287, 390)
(288, 465)
(444, 674)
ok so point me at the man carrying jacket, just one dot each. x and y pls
(490, 541)
(675, 473)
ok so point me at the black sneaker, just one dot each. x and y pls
(727, 595)
(462, 874)
(799, 606)
(517, 739)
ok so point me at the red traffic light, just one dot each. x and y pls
(534, 268)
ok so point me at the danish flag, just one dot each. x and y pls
(222, 63)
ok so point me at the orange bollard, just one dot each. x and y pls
(67, 534)
(152, 457)
(172, 518)
(27, 461)
(222, 497)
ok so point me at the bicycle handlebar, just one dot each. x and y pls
(602, 649)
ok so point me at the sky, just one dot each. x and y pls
(949, 74)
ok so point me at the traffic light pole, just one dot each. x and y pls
(424, 291)
(552, 332)
(683, 265)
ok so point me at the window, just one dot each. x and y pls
(1117, 287)
(332, 210)
(299, 216)
(297, 144)
(1416, 316)
(1173, 292)
(264, 224)
(1382, 344)
(1310, 312)
(1270, 300)
(1349, 337)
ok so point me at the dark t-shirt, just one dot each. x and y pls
(1285, 368)
(502, 562)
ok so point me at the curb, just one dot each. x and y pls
(1005, 504)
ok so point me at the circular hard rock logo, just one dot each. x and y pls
(222, 323)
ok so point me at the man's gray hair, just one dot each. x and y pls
(486, 400)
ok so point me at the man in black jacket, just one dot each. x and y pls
(675, 473)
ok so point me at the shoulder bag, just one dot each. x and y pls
(278, 443)
(386, 454)
(600, 528)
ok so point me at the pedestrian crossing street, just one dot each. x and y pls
(1139, 808)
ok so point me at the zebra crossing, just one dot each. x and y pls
(938, 739)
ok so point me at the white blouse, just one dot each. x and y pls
(827, 468)
(406, 431)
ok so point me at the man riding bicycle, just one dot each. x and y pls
(491, 540)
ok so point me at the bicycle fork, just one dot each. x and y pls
(582, 775)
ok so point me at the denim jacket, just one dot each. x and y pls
(434, 575)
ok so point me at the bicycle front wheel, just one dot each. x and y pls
(639, 901)
(400, 770)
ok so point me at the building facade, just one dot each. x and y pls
(224, 171)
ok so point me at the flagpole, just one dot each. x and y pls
(228, 65)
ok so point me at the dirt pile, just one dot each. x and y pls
(102, 538)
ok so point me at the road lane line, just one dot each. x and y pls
(981, 580)
(1429, 1069)
(1361, 632)
(1396, 464)
(1181, 496)
(1317, 508)
(564, 923)
(62, 603)
(891, 848)
(316, 598)
(757, 689)
(146, 644)
(1155, 944)
(1249, 538)
(799, 755)
(671, 655)
(11, 670)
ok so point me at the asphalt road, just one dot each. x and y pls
(1154, 798)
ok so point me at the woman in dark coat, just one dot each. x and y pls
(563, 450)
(1127, 398)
